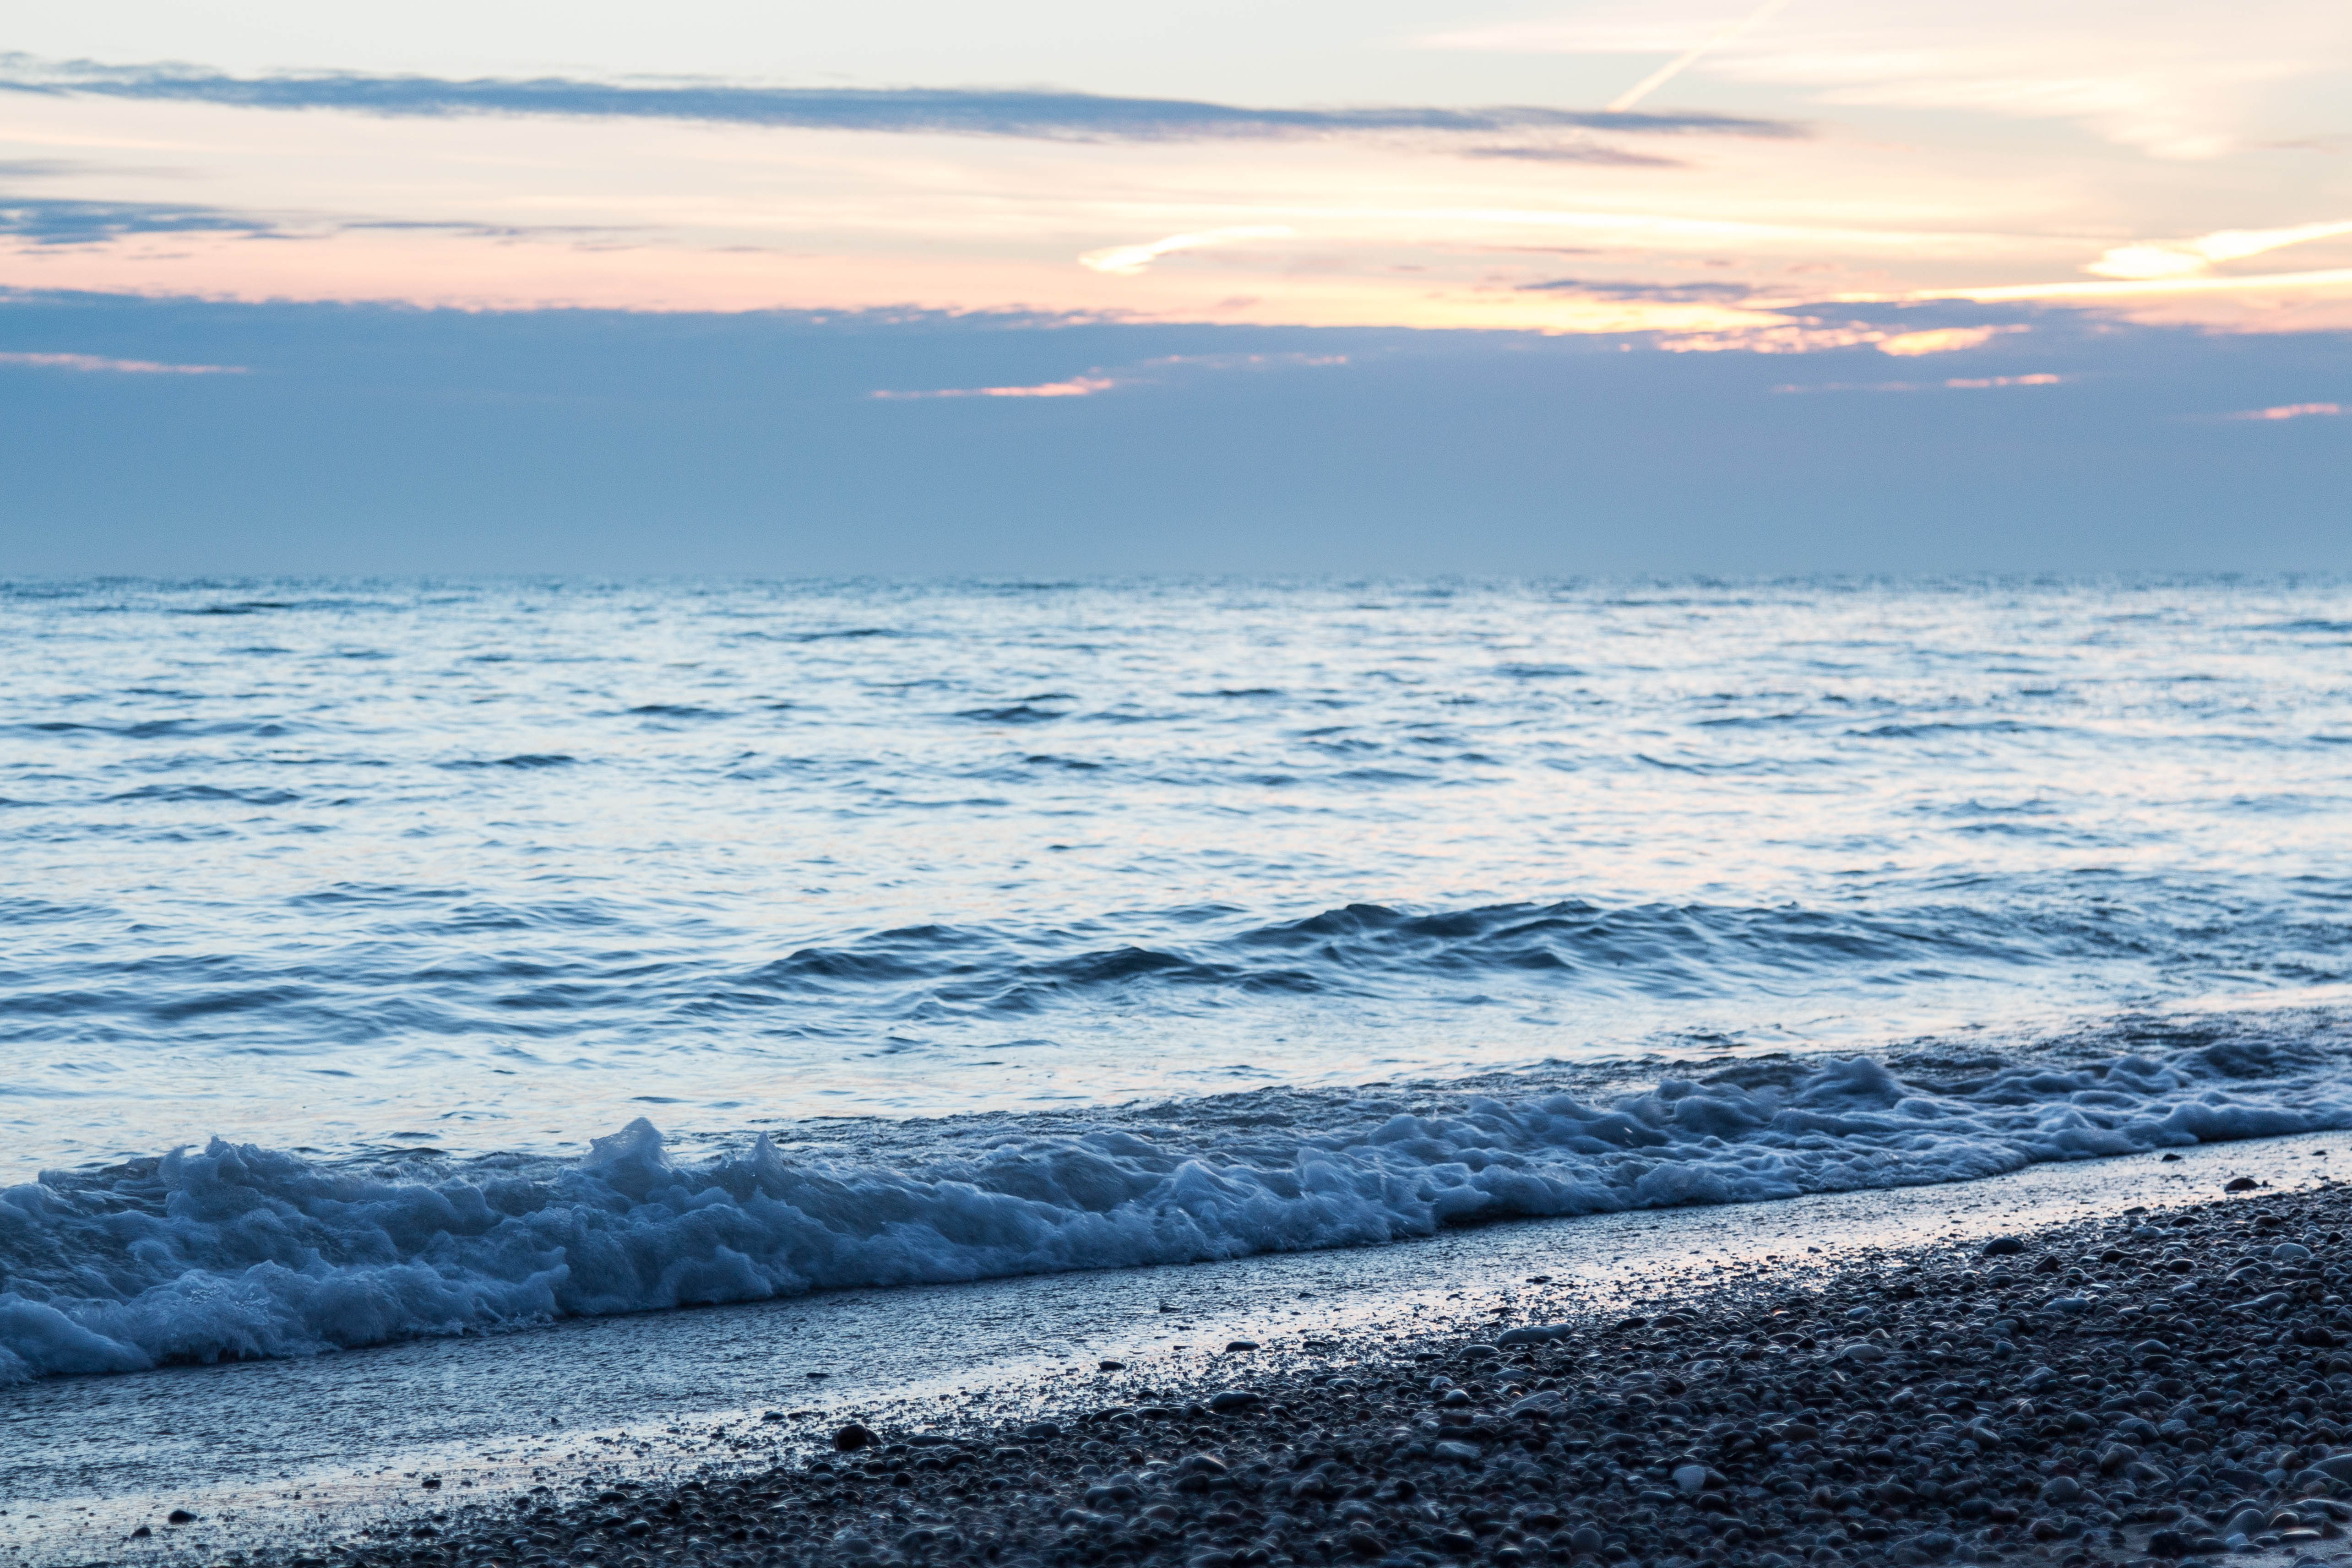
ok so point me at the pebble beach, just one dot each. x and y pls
(2146, 1387)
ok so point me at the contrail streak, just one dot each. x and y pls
(1674, 68)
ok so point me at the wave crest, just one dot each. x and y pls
(238, 1250)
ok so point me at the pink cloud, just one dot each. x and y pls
(2289, 411)
(1076, 386)
(1960, 383)
(1941, 340)
(2042, 379)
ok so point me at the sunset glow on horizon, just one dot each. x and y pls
(1806, 156)
(1510, 263)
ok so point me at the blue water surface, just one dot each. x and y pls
(324, 865)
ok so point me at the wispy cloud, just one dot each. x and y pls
(52, 221)
(1624, 289)
(1125, 260)
(2155, 260)
(98, 362)
(1691, 57)
(1076, 386)
(2132, 288)
(1795, 337)
(1955, 384)
(1942, 340)
(2174, 78)
(1101, 380)
(1250, 362)
(1571, 153)
(1814, 336)
(59, 222)
(2041, 379)
(42, 167)
(2289, 411)
(958, 111)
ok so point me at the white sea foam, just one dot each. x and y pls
(245, 1251)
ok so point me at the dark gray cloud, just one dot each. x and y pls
(47, 221)
(1038, 114)
(43, 220)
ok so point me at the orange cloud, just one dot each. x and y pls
(1941, 340)
(2152, 259)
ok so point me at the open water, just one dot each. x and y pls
(385, 898)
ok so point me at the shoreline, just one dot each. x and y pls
(242, 1252)
(1421, 1299)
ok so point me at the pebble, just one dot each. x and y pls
(1531, 1333)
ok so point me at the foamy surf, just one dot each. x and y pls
(241, 1251)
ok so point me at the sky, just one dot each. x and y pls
(1504, 285)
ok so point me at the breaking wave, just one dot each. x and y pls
(238, 1250)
